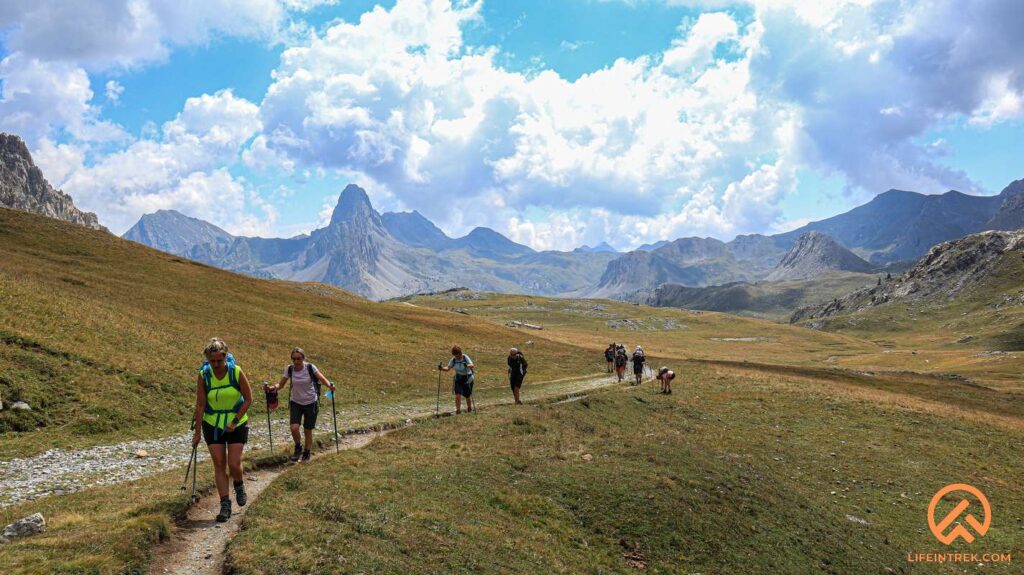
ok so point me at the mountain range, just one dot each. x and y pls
(391, 254)
(378, 255)
(895, 227)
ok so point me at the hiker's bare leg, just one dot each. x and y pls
(234, 462)
(515, 392)
(458, 403)
(220, 464)
(309, 439)
(469, 404)
(295, 433)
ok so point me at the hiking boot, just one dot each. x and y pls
(240, 498)
(297, 453)
(225, 510)
(305, 456)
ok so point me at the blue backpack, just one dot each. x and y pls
(222, 414)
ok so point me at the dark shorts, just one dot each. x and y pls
(463, 386)
(239, 435)
(638, 368)
(516, 382)
(304, 414)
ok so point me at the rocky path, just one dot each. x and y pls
(60, 471)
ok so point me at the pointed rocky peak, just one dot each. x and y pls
(354, 206)
(23, 187)
(816, 253)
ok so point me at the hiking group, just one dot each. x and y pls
(224, 396)
(615, 356)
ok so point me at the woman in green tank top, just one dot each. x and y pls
(223, 397)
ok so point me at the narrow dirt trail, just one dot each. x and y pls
(198, 544)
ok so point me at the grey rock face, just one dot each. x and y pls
(1011, 212)
(814, 254)
(24, 527)
(23, 187)
(947, 270)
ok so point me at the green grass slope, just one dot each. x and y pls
(102, 336)
(739, 471)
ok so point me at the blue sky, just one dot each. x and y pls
(556, 123)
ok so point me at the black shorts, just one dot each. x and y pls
(638, 368)
(516, 382)
(463, 386)
(304, 414)
(239, 435)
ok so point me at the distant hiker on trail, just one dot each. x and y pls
(516, 371)
(638, 364)
(304, 403)
(223, 397)
(665, 376)
(463, 380)
(620, 361)
(609, 355)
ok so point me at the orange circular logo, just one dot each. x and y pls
(939, 528)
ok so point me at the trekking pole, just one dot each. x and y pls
(334, 414)
(270, 432)
(195, 469)
(437, 407)
(191, 458)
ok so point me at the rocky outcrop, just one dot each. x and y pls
(1011, 212)
(948, 271)
(815, 254)
(23, 187)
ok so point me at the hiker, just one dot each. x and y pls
(609, 355)
(665, 376)
(304, 400)
(638, 364)
(223, 397)
(516, 371)
(620, 361)
(463, 380)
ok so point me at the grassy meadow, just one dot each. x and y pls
(739, 471)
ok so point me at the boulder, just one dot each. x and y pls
(24, 527)
(20, 406)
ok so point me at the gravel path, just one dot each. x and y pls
(60, 471)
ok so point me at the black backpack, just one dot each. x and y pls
(312, 377)
(520, 361)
